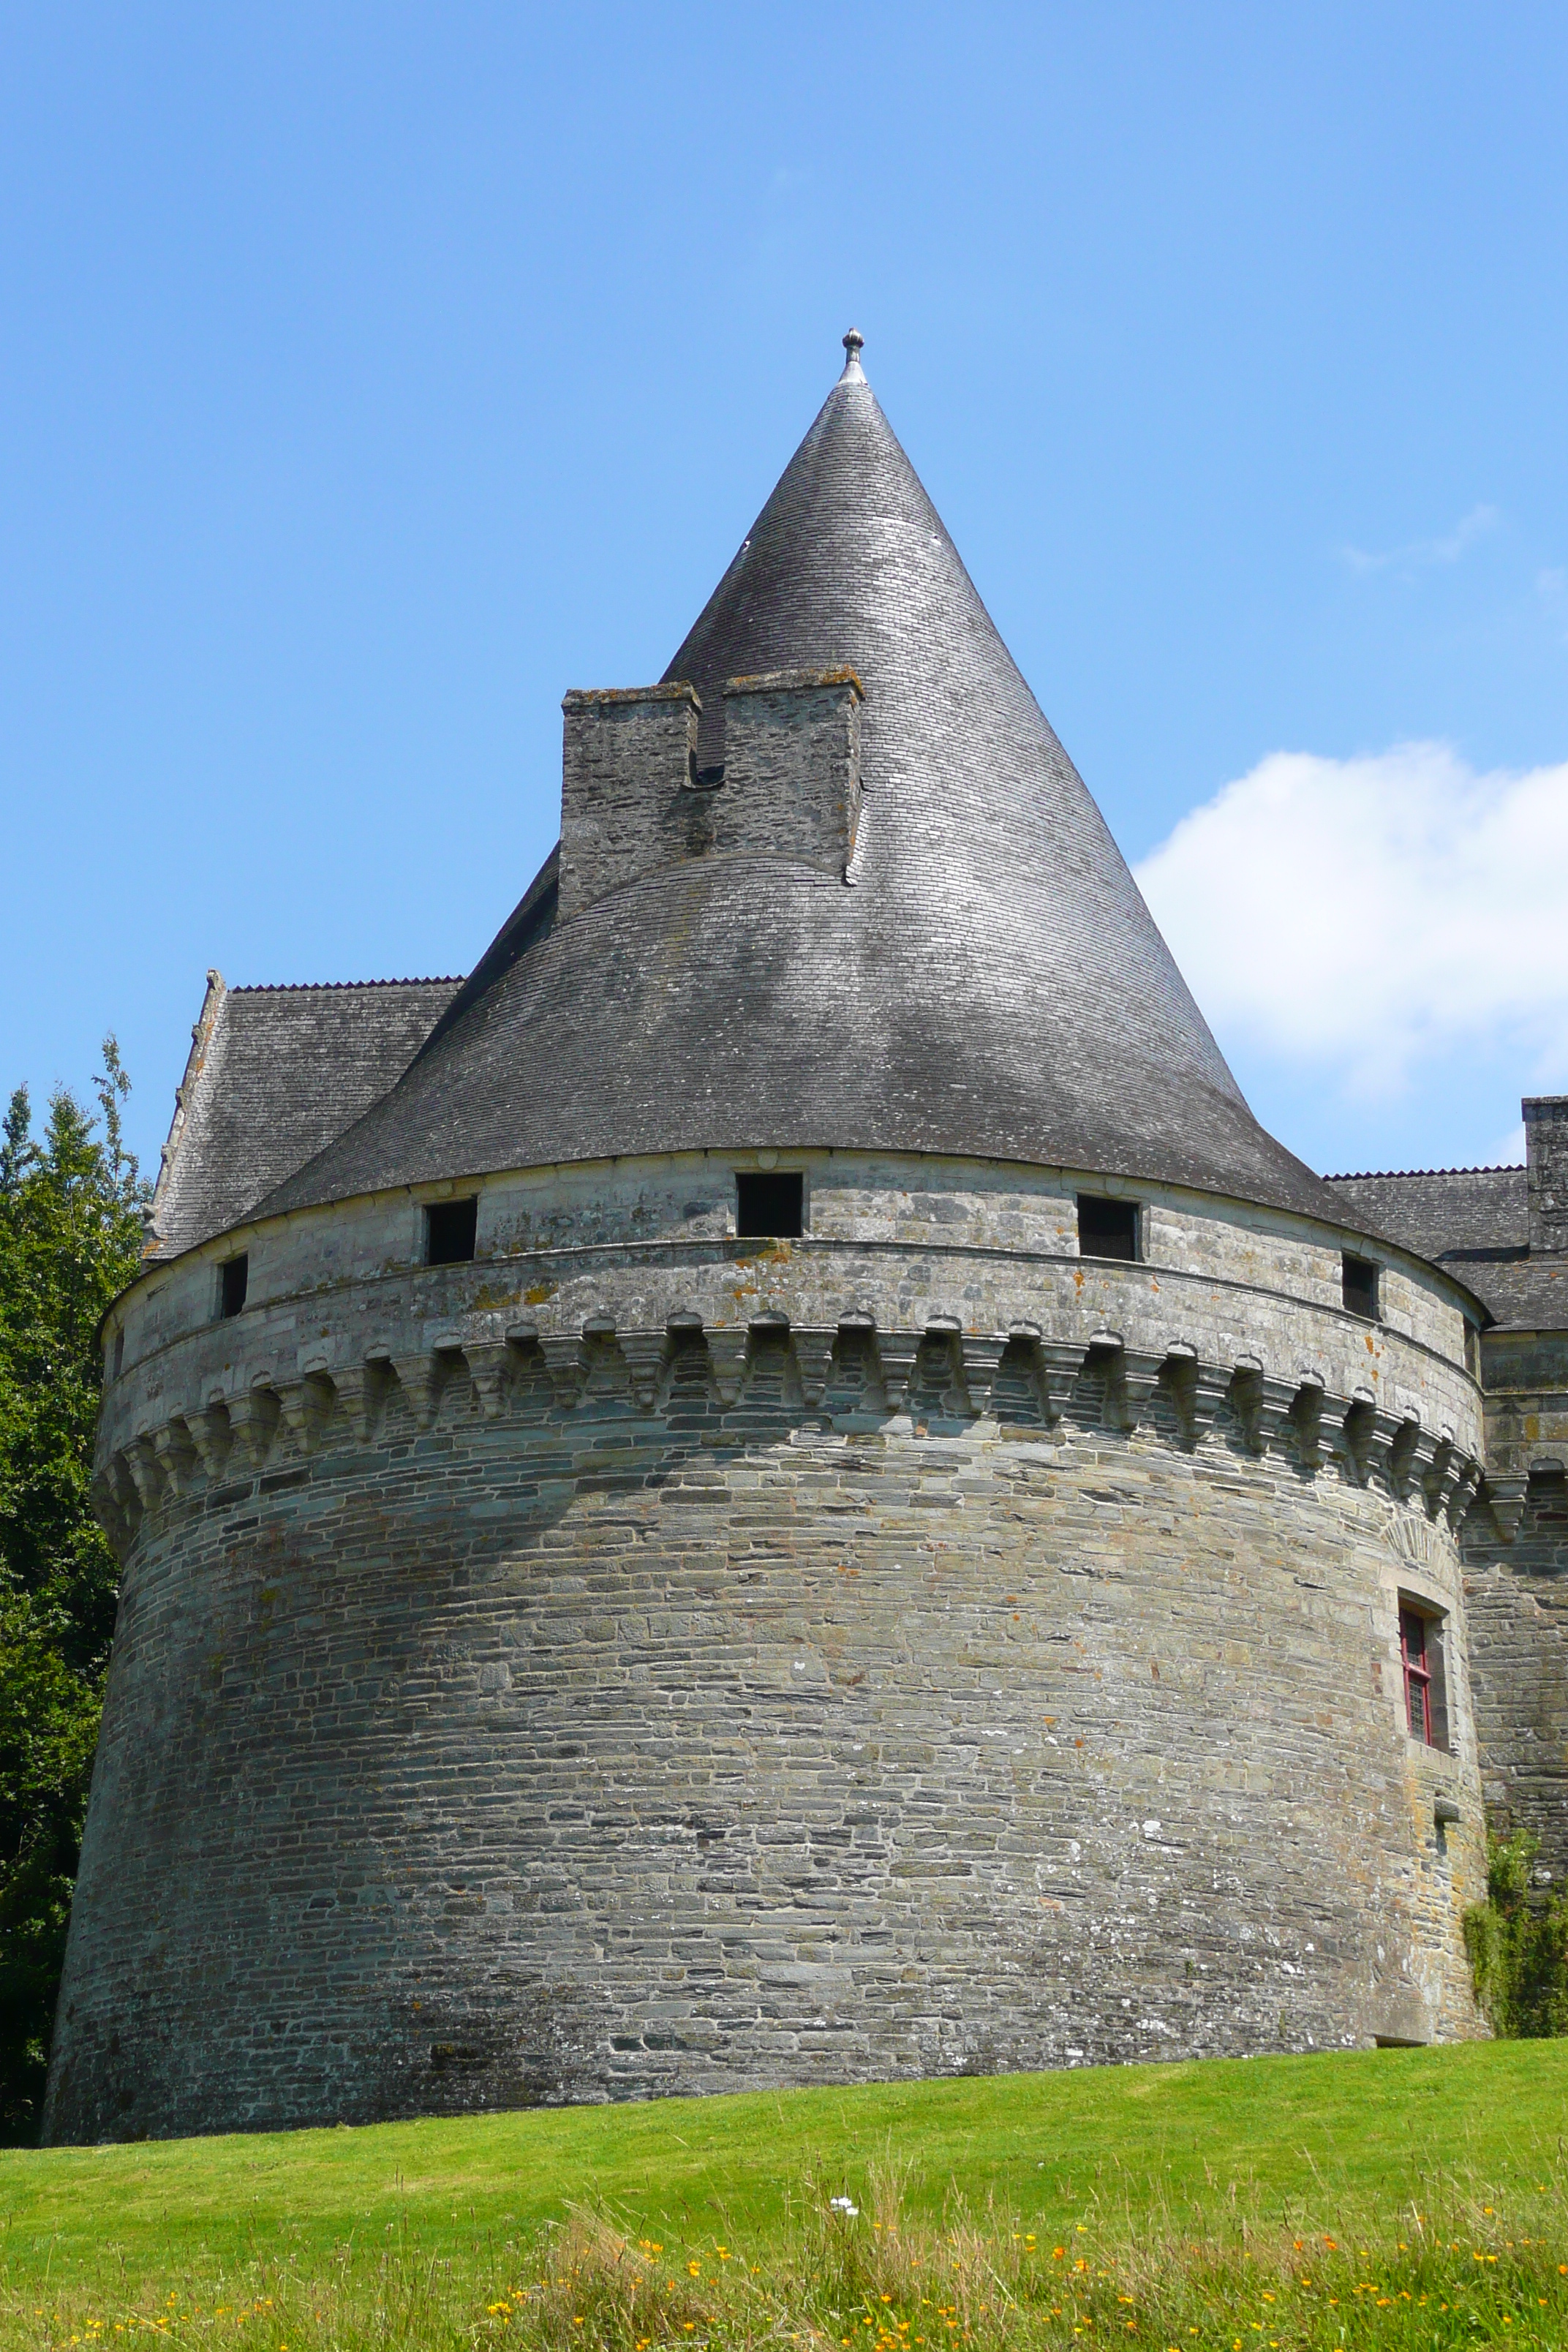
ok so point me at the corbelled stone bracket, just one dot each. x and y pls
(813, 1345)
(647, 1353)
(490, 1366)
(1355, 1440)
(1507, 1498)
(562, 1354)
(177, 1457)
(141, 1461)
(983, 1358)
(305, 1405)
(253, 1416)
(896, 1353)
(212, 1433)
(421, 1379)
(727, 1352)
(851, 1374)
(117, 1522)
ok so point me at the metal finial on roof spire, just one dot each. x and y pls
(853, 344)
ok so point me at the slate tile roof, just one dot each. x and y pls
(275, 1074)
(1475, 1222)
(989, 983)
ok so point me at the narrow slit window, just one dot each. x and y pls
(1106, 1228)
(1359, 1281)
(234, 1281)
(450, 1228)
(1425, 1684)
(118, 1352)
(770, 1208)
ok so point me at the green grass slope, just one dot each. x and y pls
(1276, 2138)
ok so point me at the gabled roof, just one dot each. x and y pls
(989, 982)
(274, 1075)
(1475, 1223)
(1437, 1211)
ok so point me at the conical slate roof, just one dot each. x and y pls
(988, 983)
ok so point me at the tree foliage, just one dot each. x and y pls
(70, 1239)
(1518, 1946)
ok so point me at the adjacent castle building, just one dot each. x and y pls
(782, 1485)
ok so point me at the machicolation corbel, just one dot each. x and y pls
(253, 1416)
(176, 1454)
(1506, 1497)
(852, 1374)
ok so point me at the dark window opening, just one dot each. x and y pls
(451, 1227)
(1106, 1228)
(1421, 1662)
(234, 1281)
(770, 1208)
(118, 1352)
(1360, 1286)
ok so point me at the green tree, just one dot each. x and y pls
(70, 1239)
(1518, 1946)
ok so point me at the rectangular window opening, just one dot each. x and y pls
(1359, 1284)
(450, 1228)
(1107, 1228)
(118, 1352)
(770, 1208)
(1421, 1658)
(234, 1281)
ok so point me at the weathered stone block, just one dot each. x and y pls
(629, 798)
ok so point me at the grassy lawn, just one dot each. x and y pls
(473, 2232)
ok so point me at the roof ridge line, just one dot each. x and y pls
(1395, 1175)
(303, 987)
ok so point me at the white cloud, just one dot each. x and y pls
(1422, 553)
(1371, 915)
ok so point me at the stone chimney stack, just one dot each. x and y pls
(633, 800)
(791, 765)
(1546, 1156)
(629, 769)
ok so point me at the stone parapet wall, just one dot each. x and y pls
(577, 1723)
(542, 1227)
(1526, 1376)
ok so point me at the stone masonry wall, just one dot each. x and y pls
(642, 1660)
(590, 1745)
(628, 798)
(1516, 1562)
(1518, 1608)
(1546, 1153)
(792, 767)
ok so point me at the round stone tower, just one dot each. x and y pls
(783, 1487)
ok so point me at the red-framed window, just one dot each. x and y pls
(1415, 1655)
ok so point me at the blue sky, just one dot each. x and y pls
(371, 374)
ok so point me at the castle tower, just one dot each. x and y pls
(783, 1485)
